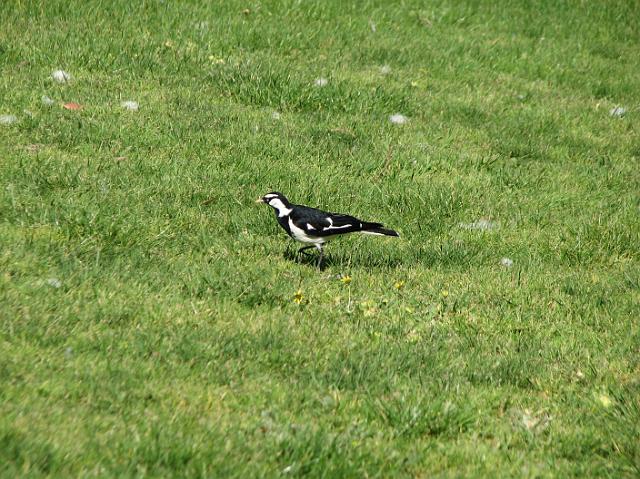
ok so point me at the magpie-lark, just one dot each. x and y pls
(316, 227)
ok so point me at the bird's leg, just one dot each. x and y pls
(319, 265)
(302, 251)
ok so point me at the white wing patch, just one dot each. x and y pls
(335, 227)
(310, 226)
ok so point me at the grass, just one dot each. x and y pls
(153, 322)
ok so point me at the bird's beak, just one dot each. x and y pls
(259, 200)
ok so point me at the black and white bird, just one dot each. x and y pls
(316, 227)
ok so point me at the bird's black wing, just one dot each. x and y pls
(320, 223)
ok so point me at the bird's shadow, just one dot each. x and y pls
(450, 254)
(340, 259)
(307, 259)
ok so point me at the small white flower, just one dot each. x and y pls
(61, 76)
(54, 282)
(8, 119)
(287, 469)
(321, 82)
(618, 111)
(130, 105)
(276, 115)
(385, 69)
(398, 119)
(506, 262)
(46, 101)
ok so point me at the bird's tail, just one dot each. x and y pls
(377, 229)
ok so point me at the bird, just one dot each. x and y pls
(315, 227)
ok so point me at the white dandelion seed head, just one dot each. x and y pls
(398, 119)
(618, 111)
(506, 262)
(528, 420)
(482, 224)
(535, 422)
(46, 101)
(8, 119)
(130, 105)
(54, 282)
(385, 69)
(61, 76)
(321, 82)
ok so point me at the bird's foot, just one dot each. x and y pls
(302, 251)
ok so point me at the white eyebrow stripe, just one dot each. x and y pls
(270, 195)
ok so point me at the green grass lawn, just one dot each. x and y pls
(154, 323)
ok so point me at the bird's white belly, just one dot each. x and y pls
(300, 235)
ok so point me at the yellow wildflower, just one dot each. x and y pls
(298, 297)
(399, 285)
(605, 400)
(346, 279)
(368, 308)
(413, 336)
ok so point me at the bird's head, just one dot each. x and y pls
(274, 199)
